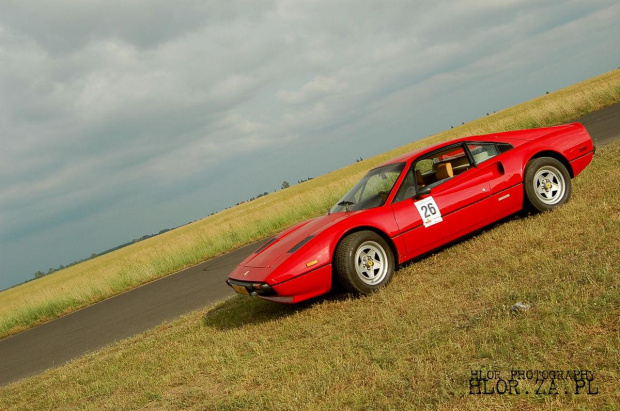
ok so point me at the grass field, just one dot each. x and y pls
(413, 345)
(84, 284)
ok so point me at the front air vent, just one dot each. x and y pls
(300, 244)
(262, 247)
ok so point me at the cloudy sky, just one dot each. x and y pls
(120, 118)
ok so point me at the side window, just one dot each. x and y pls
(407, 188)
(424, 172)
(482, 151)
(441, 166)
(432, 170)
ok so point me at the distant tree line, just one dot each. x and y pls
(250, 199)
(285, 185)
(40, 274)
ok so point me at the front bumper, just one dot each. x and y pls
(297, 289)
(251, 288)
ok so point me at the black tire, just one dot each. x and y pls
(547, 184)
(363, 262)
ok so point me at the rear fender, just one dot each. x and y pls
(557, 156)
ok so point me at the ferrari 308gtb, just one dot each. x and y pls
(413, 204)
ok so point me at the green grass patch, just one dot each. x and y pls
(84, 284)
(413, 345)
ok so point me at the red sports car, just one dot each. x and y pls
(413, 204)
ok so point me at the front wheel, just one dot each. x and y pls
(547, 184)
(363, 262)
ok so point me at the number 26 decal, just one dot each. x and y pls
(429, 211)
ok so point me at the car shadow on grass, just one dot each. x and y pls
(238, 311)
(520, 215)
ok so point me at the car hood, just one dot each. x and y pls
(275, 251)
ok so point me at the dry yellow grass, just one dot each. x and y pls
(413, 345)
(75, 287)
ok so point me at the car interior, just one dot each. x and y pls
(442, 165)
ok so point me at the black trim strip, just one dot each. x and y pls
(583, 155)
(459, 209)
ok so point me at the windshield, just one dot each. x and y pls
(372, 190)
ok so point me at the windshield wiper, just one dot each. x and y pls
(346, 204)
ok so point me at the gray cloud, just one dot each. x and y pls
(121, 118)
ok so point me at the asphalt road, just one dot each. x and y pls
(603, 125)
(56, 342)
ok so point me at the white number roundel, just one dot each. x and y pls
(429, 211)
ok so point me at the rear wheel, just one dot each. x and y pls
(363, 262)
(547, 184)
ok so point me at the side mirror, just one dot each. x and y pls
(423, 192)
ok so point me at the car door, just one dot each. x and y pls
(458, 201)
(504, 171)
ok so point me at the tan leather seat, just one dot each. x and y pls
(444, 171)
